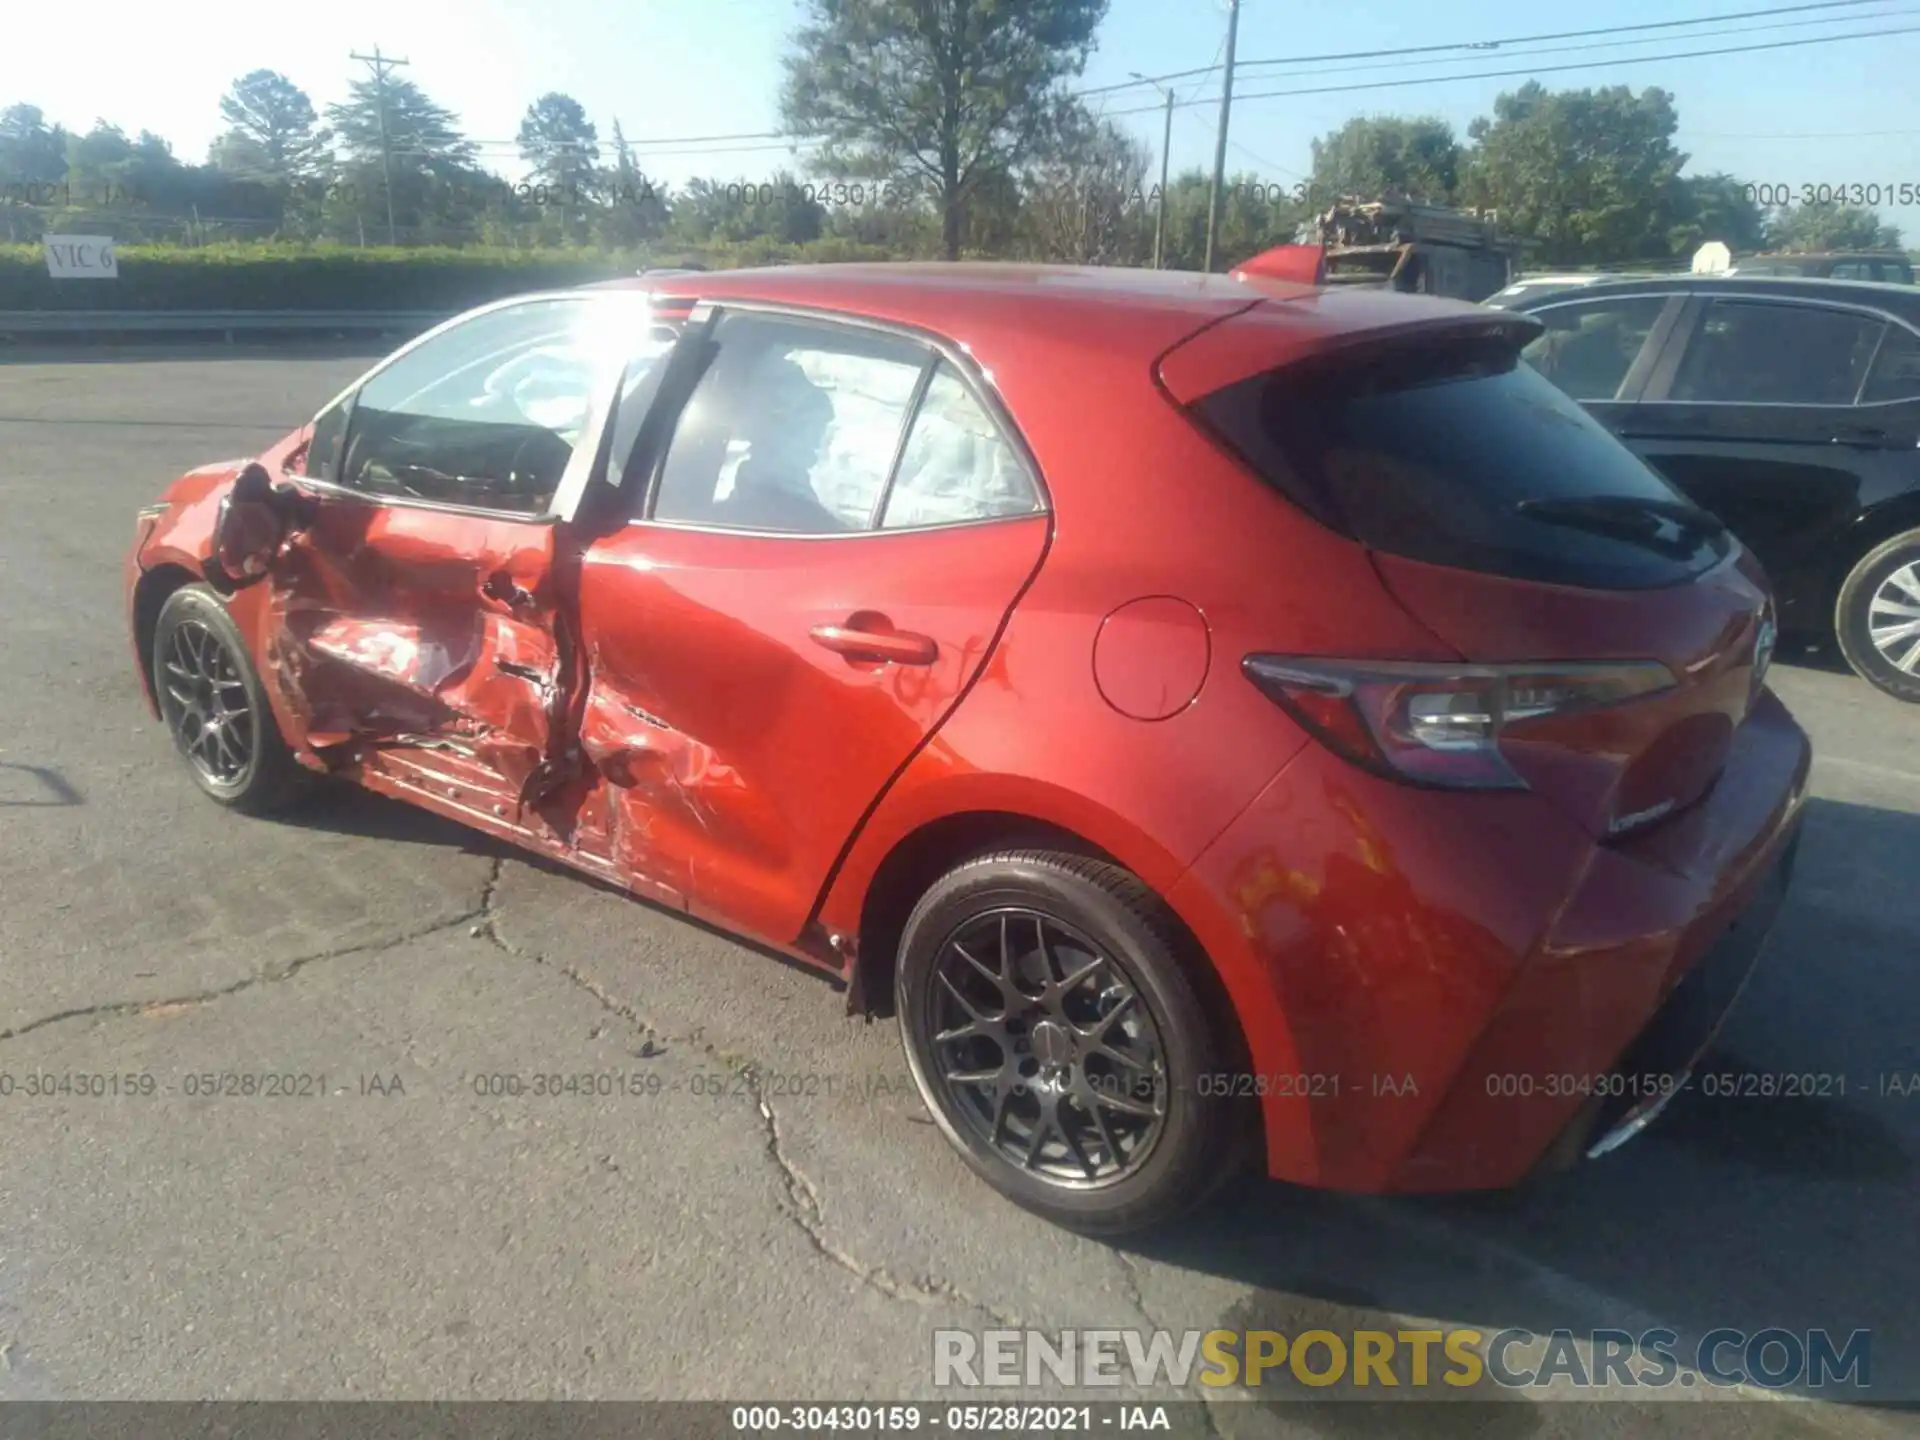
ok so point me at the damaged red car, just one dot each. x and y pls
(1226, 720)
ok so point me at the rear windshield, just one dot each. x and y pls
(1431, 453)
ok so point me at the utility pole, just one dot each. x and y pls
(380, 64)
(1220, 142)
(1166, 151)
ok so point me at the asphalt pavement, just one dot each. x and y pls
(776, 1218)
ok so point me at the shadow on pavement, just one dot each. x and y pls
(43, 788)
(1787, 1197)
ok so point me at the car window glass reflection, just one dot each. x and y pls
(1772, 354)
(489, 413)
(1896, 369)
(1587, 350)
(793, 429)
(957, 465)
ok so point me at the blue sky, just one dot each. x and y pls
(1840, 113)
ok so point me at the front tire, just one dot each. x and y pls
(1877, 617)
(1055, 1033)
(215, 707)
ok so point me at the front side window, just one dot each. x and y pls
(1588, 348)
(793, 429)
(1757, 352)
(489, 412)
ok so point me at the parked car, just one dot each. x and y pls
(1217, 717)
(1532, 287)
(1791, 409)
(1889, 266)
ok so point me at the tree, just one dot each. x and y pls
(1831, 226)
(780, 208)
(438, 192)
(1387, 156)
(272, 133)
(633, 208)
(32, 152)
(1716, 207)
(1588, 175)
(420, 134)
(946, 92)
(559, 143)
(1252, 219)
(1085, 199)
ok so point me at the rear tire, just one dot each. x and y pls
(215, 707)
(1011, 1058)
(1877, 604)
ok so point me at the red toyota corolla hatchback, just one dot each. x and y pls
(1218, 716)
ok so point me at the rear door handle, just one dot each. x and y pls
(898, 647)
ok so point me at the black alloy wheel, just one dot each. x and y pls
(1043, 1045)
(215, 707)
(1053, 1020)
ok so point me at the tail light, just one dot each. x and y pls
(1439, 725)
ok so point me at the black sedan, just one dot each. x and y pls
(1790, 409)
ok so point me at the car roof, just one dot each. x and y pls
(974, 302)
(1902, 300)
(1826, 255)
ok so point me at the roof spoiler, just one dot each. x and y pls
(1296, 264)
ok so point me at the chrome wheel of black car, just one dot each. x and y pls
(1876, 616)
(204, 700)
(1893, 618)
(1045, 1049)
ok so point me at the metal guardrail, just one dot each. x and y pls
(217, 322)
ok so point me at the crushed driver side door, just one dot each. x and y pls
(415, 554)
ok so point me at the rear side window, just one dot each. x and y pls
(1896, 369)
(1756, 352)
(957, 465)
(1588, 348)
(1456, 454)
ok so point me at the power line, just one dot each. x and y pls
(1556, 69)
(696, 146)
(1596, 45)
(783, 139)
(1807, 135)
(1497, 44)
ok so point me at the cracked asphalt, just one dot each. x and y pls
(767, 1213)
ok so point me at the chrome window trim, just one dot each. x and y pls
(312, 483)
(1886, 317)
(744, 534)
(974, 376)
(580, 465)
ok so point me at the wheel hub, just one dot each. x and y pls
(1044, 1050)
(1893, 619)
(204, 701)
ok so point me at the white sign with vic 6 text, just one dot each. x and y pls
(81, 257)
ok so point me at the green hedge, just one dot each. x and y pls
(286, 277)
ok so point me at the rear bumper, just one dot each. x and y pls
(1442, 991)
(1659, 1065)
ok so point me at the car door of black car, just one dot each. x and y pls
(1761, 409)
